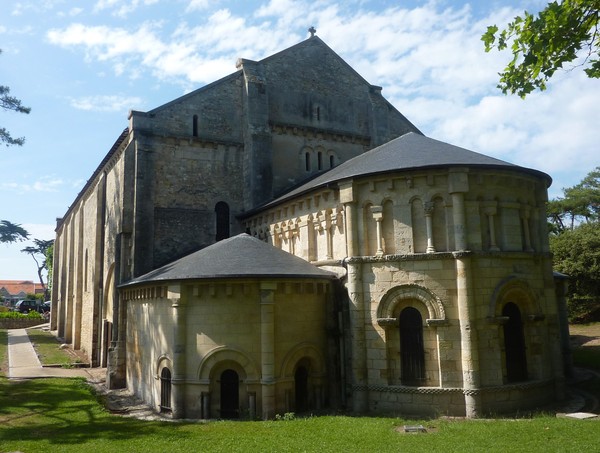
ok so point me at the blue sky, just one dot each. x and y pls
(81, 66)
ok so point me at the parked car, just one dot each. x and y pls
(27, 305)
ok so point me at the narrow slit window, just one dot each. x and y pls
(307, 161)
(195, 126)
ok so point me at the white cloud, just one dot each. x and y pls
(199, 5)
(122, 8)
(113, 103)
(44, 184)
(429, 60)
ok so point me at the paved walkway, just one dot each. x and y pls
(23, 362)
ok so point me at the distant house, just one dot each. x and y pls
(14, 290)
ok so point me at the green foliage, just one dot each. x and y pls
(12, 232)
(288, 416)
(581, 203)
(17, 315)
(49, 262)
(577, 254)
(8, 102)
(41, 248)
(541, 44)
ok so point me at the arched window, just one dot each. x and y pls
(320, 160)
(514, 344)
(165, 390)
(222, 214)
(331, 161)
(230, 394)
(307, 161)
(195, 126)
(412, 352)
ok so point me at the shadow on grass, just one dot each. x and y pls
(64, 411)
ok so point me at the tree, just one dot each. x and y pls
(577, 254)
(8, 102)
(581, 203)
(542, 44)
(41, 248)
(50, 264)
(12, 232)
(575, 244)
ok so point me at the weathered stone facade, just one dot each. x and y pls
(444, 303)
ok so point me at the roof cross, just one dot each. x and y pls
(312, 31)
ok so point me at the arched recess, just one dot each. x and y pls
(513, 306)
(105, 330)
(306, 159)
(369, 231)
(433, 304)
(391, 315)
(162, 389)
(221, 355)
(301, 351)
(440, 227)
(515, 290)
(304, 365)
(389, 243)
(419, 228)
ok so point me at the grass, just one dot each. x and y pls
(48, 349)
(64, 415)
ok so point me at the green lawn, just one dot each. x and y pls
(48, 349)
(64, 415)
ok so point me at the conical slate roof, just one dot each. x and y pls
(410, 151)
(239, 256)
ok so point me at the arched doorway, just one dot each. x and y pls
(230, 394)
(514, 344)
(165, 390)
(412, 352)
(301, 388)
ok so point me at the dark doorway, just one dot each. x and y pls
(301, 389)
(165, 390)
(412, 353)
(514, 344)
(230, 394)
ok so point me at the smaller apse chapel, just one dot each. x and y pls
(285, 240)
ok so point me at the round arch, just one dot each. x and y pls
(299, 352)
(222, 354)
(389, 302)
(515, 290)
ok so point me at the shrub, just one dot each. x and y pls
(17, 315)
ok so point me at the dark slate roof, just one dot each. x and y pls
(239, 256)
(411, 151)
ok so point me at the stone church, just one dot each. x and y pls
(285, 240)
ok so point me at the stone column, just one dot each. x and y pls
(179, 351)
(377, 212)
(267, 347)
(468, 336)
(428, 209)
(458, 186)
(490, 210)
(525, 214)
(358, 373)
(347, 199)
